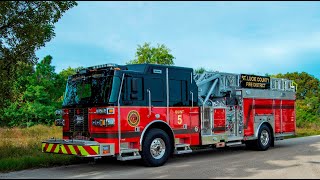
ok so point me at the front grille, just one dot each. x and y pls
(82, 126)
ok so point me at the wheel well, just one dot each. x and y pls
(271, 131)
(163, 126)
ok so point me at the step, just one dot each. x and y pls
(128, 150)
(126, 158)
(129, 154)
(186, 149)
(183, 151)
(182, 145)
(233, 143)
(279, 138)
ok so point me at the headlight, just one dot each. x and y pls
(59, 122)
(104, 122)
(59, 112)
(105, 110)
(110, 122)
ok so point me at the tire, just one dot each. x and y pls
(156, 148)
(264, 138)
(250, 144)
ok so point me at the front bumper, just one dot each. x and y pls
(78, 147)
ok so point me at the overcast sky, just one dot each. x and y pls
(237, 37)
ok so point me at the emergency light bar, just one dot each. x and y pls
(84, 70)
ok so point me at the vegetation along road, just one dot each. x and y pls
(290, 158)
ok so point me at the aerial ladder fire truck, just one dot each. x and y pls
(150, 111)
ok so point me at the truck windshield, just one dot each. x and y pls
(91, 90)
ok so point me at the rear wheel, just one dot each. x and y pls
(156, 148)
(264, 138)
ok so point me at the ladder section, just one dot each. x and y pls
(215, 85)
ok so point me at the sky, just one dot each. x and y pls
(235, 37)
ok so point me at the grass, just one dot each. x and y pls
(20, 148)
(307, 131)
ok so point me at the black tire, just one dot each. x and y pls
(250, 144)
(263, 142)
(154, 136)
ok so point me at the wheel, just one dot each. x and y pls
(156, 148)
(264, 138)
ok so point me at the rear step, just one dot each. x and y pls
(182, 149)
(129, 154)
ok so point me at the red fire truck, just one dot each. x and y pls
(149, 112)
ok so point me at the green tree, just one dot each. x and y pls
(25, 26)
(307, 85)
(153, 55)
(40, 97)
(200, 70)
(308, 97)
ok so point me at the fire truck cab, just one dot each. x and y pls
(149, 111)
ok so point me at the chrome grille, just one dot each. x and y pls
(78, 119)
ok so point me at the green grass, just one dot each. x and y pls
(21, 148)
(307, 131)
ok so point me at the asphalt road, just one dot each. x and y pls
(291, 158)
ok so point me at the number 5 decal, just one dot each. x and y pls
(180, 119)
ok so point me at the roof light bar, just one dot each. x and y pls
(97, 67)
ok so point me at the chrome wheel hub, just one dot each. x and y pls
(264, 137)
(157, 148)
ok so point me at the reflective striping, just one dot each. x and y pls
(49, 147)
(53, 148)
(45, 147)
(83, 151)
(63, 149)
(56, 150)
(67, 149)
(96, 149)
(89, 150)
(76, 149)
(42, 147)
(72, 150)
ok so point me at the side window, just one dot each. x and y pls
(178, 95)
(157, 90)
(136, 89)
(175, 91)
(126, 89)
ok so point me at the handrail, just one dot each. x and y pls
(119, 119)
(149, 94)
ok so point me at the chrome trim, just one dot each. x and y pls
(119, 119)
(191, 98)
(149, 95)
(167, 83)
(281, 116)
(146, 128)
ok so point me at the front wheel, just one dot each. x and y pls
(156, 148)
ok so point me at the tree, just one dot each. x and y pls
(200, 70)
(25, 26)
(40, 96)
(308, 85)
(153, 55)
